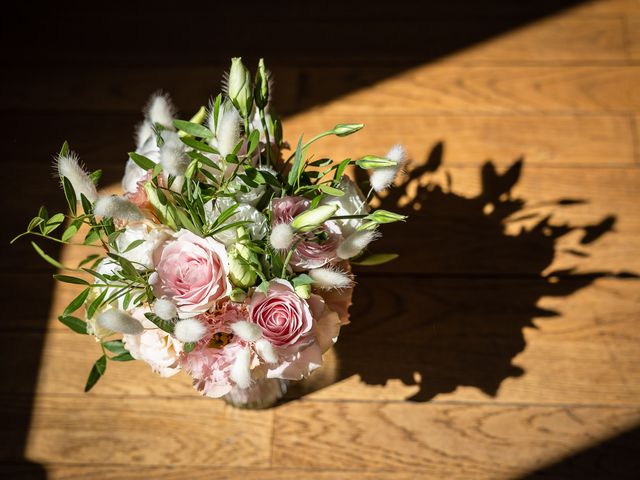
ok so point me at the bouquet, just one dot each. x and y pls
(224, 257)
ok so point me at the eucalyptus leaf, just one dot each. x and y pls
(143, 162)
(70, 279)
(162, 324)
(96, 372)
(76, 303)
(194, 129)
(74, 323)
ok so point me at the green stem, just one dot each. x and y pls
(266, 135)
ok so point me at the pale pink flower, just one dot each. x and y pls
(192, 271)
(154, 346)
(284, 317)
(285, 208)
(315, 250)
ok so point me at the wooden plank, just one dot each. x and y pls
(450, 339)
(559, 38)
(456, 441)
(563, 140)
(632, 31)
(115, 472)
(148, 431)
(447, 88)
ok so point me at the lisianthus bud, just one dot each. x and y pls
(344, 129)
(242, 263)
(311, 219)
(239, 87)
(261, 88)
(303, 291)
(372, 161)
(237, 295)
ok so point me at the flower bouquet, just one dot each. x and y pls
(223, 257)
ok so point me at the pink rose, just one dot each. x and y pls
(284, 318)
(192, 271)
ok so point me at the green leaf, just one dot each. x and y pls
(376, 259)
(89, 259)
(76, 303)
(340, 169)
(194, 129)
(123, 357)
(53, 223)
(142, 161)
(302, 279)
(329, 190)
(87, 206)
(95, 176)
(115, 346)
(188, 347)
(96, 372)
(64, 151)
(74, 323)
(126, 265)
(296, 168)
(134, 244)
(91, 309)
(195, 144)
(69, 233)
(70, 279)
(323, 162)
(254, 140)
(263, 287)
(161, 323)
(70, 195)
(46, 257)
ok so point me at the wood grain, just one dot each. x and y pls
(504, 341)
(145, 431)
(482, 441)
(449, 88)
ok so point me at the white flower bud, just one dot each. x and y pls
(173, 159)
(117, 207)
(239, 87)
(382, 178)
(119, 321)
(160, 110)
(165, 309)
(247, 331)
(68, 166)
(355, 243)
(189, 330)
(281, 236)
(266, 351)
(328, 278)
(240, 370)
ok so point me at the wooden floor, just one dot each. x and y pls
(504, 343)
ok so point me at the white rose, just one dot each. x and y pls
(257, 228)
(154, 346)
(353, 202)
(143, 253)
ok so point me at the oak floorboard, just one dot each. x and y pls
(459, 441)
(145, 431)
